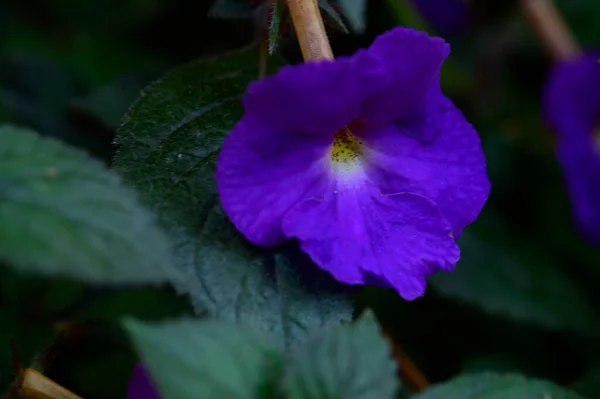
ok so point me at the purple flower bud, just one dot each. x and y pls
(363, 160)
(572, 108)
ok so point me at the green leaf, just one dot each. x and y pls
(231, 9)
(64, 214)
(588, 385)
(351, 362)
(582, 18)
(332, 15)
(169, 141)
(144, 303)
(503, 277)
(111, 101)
(356, 12)
(277, 14)
(496, 386)
(192, 359)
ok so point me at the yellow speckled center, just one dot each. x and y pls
(346, 149)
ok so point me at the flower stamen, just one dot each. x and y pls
(346, 149)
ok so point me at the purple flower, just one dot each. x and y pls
(445, 16)
(572, 108)
(140, 386)
(362, 159)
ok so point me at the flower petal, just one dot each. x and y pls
(317, 97)
(140, 386)
(572, 108)
(275, 155)
(581, 167)
(361, 236)
(435, 153)
(572, 96)
(262, 172)
(413, 61)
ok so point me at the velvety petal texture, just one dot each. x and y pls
(140, 386)
(572, 108)
(361, 159)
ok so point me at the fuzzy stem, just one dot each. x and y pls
(550, 28)
(310, 30)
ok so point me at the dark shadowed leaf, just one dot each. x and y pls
(588, 385)
(231, 9)
(496, 386)
(582, 17)
(519, 281)
(332, 15)
(65, 214)
(193, 359)
(111, 101)
(168, 145)
(351, 362)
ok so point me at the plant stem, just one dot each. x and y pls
(310, 30)
(550, 28)
(37, 386)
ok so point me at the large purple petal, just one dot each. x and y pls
(258, 185)
(413, 61)
(361, 236)
(435, 153)
(315, 98)
(140, 386)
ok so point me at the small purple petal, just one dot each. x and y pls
(572, 108)
(140, 386)
(413, 61)
(359, 233)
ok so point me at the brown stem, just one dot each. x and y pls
(550, 28)
(407, 369)
(310, 30)
(37, 386)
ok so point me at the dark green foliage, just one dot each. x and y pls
(167, 148)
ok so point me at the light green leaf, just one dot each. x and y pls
(356, 12)
(277, 14)
(65, 214)
(351, 362)
(193, 359)
(168, 145)
(496, 386)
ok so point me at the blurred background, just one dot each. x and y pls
(524, 296)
